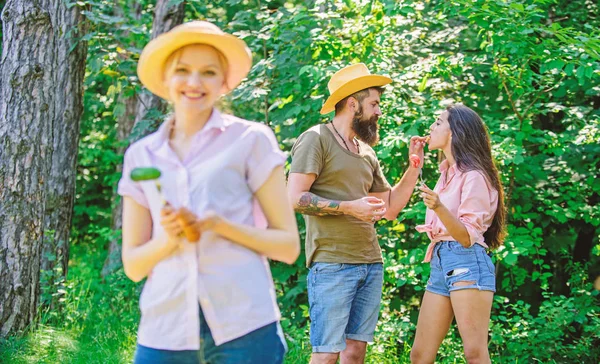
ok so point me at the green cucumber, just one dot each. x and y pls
(144, 174)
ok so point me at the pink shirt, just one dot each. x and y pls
(470, 197)
(230, 160)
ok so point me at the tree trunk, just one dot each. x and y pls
(165, 18)
(125, 124)
(60, 186)
(35, 79)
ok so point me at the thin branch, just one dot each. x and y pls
(265, 54)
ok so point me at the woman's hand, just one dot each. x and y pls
(188, 222)
(210, 221)
(192, 225)
(170, 223)
(430, 198)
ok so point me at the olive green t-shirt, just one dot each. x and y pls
(342, 176)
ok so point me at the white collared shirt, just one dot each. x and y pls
(230, 160)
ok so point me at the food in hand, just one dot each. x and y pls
(188, 222)
(415, 161)
(140, 174)
(145, 174)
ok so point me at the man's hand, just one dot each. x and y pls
(416, 147)
(368, 209)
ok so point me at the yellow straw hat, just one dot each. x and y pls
(349, 80)
(152, 60)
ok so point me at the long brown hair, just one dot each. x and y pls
(472, 150)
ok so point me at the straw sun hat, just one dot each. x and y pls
(152, 60)
(349, 80)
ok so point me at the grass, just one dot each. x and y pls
(98, 324)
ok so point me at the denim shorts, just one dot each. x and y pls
(263, 345)
(344, 304)
(453, 263)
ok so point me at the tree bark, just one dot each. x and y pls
(36, 79)
(60, 194)
(165, 18)
(124, 127)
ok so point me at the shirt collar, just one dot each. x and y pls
(450, 172)
(445, 167)
(162, 135)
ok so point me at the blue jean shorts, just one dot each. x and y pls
(263, 345)
(344, 304)
(452, 262)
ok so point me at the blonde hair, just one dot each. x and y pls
(173, 60)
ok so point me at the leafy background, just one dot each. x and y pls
(531, 69)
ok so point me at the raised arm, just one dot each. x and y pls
(396, 199)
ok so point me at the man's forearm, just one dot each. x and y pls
(401, 192)
(311, 204)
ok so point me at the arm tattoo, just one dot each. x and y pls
(311, 204)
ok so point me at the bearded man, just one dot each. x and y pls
(337, 183)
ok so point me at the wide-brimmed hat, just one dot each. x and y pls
(349, 80)
(152, 60)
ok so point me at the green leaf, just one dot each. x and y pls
(510, 259)
(305, 69)
(518, 159)
(569, 69)
(423, 84)
(517, 6)
(556, 64)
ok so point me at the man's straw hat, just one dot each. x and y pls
(349, 80)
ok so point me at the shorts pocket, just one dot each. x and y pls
(324, 268)
(488, 262)
(435, 261)
(458, 249)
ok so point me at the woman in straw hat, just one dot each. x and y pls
(210, 300)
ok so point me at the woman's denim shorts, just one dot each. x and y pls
(452, 263)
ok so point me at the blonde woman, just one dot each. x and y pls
(211, 300)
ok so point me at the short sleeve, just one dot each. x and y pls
(380, 183)
(263, 157)
(475, 209)
(307, 154)
(126, 186)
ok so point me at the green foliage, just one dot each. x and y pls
(97, 323)
(525, 66)
(530, 68)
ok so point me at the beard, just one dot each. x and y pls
(367, 130)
